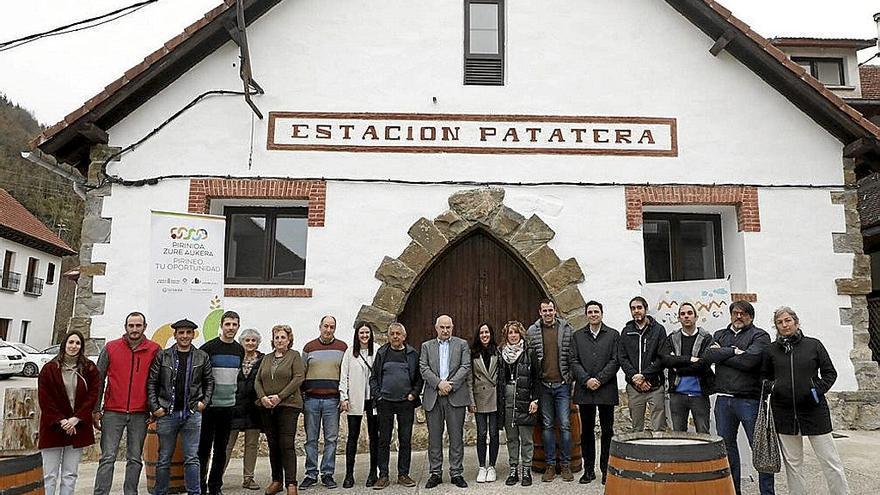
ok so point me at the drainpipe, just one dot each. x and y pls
(43, 160)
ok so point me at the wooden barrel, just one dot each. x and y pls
(539, 461)
(21, 475)
(668, 463)
(151, 460)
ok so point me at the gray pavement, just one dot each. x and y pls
(859, 450)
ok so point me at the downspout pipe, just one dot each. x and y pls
(39, 158)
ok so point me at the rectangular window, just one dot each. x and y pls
(266, 245)
(33, 285)
(4, 328)
(682, 246)
(24, 331)
(9, 280)
(484, 42)
(50, 274)
(829, 71)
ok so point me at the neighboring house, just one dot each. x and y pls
(31, 257)
(719, 158)
(834, 63)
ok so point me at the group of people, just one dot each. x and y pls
(515, 379)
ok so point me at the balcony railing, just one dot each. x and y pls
(33, 286)
(10, 281)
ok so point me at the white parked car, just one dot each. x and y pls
(11, 361)
(33, 359)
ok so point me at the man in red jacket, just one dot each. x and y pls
(124, 364)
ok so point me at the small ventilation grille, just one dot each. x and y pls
(484, 72)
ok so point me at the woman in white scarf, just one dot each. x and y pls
(518, 378)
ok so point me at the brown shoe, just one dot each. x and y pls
(406, 481)
(291, 490)
(250, 484)
(549, 474)
(274, 487)
(566, 473)
(381, 483)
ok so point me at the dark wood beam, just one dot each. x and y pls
(722, 42)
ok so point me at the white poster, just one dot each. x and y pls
(711, 299)
(186, 273)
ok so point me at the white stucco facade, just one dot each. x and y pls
(568, 58)
(30, 310)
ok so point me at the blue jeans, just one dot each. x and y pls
(555, 405)
(321, 412)
(168, 427)
(729, 413)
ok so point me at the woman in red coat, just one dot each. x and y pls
(67, 390)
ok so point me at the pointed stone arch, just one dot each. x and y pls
(526, 238)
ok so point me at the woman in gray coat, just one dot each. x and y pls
(484, 400)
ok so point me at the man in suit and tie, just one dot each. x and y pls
(445, 364)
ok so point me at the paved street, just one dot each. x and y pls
(858, 449)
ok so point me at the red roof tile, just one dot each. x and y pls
(870, 76)
(16, 217)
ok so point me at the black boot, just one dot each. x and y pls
(513, 477)
(348, 482)
(527, 476)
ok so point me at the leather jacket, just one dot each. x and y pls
(162, 378)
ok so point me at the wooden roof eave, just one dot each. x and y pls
(72, 143)
(804, 94)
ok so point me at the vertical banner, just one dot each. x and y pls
(711, 298)
(186, 273)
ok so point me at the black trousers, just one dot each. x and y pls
(487, 425)
(354, 432)
(679, 407)
(588, 434)
(216, 425)
(406, 414)
(280, 424)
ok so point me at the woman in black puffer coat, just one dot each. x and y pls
(245, 413)
(517, 387)
(802, 372)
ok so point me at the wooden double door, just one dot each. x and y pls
(476, 280)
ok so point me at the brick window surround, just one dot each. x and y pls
(744, 198)
(202, 191)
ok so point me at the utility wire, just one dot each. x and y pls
(118, 180)
(116, 14)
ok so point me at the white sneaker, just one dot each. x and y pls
(481, 475)
(490, 474)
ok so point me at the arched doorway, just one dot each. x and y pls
(476, 279)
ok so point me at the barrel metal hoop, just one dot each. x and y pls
(19, 490)
(22, 464)
(669, 477)
(712, 448)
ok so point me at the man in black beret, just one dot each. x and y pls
(179, 388)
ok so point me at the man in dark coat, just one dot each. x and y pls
(690, 377)
(639, 356)
(594, 365)
(737, 354)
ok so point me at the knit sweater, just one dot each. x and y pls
(226, 359)
(323, 363)
(282, 377)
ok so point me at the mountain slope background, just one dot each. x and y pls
(48, 196)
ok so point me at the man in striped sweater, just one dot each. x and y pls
(226, 356)
(322, 358)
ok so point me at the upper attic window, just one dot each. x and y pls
(484, 42)
(829, 71)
